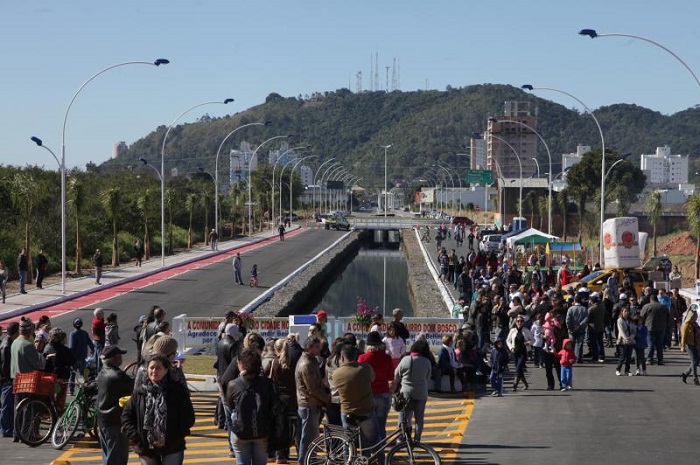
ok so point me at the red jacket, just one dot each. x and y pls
(98, 329)
(567, 357)
(380, 362)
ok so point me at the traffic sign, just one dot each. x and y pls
(479, 176)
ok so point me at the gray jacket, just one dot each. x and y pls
(577, 318)
(413, 372)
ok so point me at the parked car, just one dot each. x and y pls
(490, 242)
(595, 280)
(337, 222)
(462, 220)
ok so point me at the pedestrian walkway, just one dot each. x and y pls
(51, 295)
(445, 423)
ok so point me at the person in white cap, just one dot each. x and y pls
(112, 384)
(214, 239)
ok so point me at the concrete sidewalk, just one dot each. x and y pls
(36, 299)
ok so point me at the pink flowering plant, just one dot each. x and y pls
(247, 319)
(363, 312)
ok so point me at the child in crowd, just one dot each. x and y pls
(111, 330)
(499, 360)
(640, 345)
(537, 330)
(254, 275)
(395, 346)
(567, 358)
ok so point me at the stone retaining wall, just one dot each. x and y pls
(424, 292)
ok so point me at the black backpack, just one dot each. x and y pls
(252, 415)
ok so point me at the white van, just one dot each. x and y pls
(490, 242)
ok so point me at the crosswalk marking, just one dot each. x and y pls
(445, 424)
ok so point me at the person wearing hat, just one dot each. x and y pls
(7, 399)
(596, 327)
(139, 333)
(228, 318)
(322, 321)
(59, 360)
(24, 357)
(383, 368)
(79, 342)
(112, 384)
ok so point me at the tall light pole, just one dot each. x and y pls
(330, 167)
(593, 34)
(456, 173)
(538, 165)
(313, 200)
(502, 189)
(385, 147)
(520, 165)
(602, 164)
(549, 157)
(331, 172)
(216, 169)
(158, 173)
(272, 223)
(162, 171)
(291, 183)
(158, 62)
(250, 165)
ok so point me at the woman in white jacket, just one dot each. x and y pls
(518, 341)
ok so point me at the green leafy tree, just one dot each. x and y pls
(692, 211)
(543, 209)
(111, 200)
(562, 202)
(170, 198)
(654, 209)
(144, 203)
(23, 194)
(206, 198)
(77, 199)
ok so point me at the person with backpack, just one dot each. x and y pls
(158, 416)
(251, 399)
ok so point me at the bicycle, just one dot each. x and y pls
(340, 446)
(83, 408)
(35, 415)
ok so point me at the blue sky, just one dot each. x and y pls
(248, 49)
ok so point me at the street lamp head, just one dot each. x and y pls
(143, 160)
(527, 87)
(267, 123)
(200, 168)
(228, 100)
(37, 141)
(625, 155)
(493, 120)
(588, 32)
(290, 136)
(161, 61)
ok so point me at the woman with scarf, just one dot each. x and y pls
(158, 416)
(519, 340)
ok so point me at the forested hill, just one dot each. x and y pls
(423, 126)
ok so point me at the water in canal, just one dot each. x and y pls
(364, 277)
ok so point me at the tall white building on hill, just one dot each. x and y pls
(664, 168)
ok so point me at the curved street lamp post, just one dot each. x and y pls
(291, 183)
(520, 165)
(272, 222)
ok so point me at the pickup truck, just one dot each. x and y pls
(336, 222)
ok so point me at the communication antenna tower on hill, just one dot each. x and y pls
(387, 79)
(394, 81)
(376, 71)
(358, 82)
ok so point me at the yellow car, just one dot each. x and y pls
(595, 280)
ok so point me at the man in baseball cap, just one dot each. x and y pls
(112, 384)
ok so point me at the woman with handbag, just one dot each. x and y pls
(413, 375)
(281, 372)
(381, 364)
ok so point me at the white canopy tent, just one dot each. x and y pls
(537, 237)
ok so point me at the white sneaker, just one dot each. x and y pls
(644, 373)
(637, 373)
(617, 373)
(563, 389)
(629, 374)
(569, 388)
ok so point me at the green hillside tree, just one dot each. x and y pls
(654, 209)
(111, 200)
(76, 199)
(692, 210)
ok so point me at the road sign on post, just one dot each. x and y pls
(480, 176)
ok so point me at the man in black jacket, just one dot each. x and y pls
(112, 383)
(7, 399)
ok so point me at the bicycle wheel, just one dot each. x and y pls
(419, 454)
(66, 426)
(34, 421)
(330, 450)
(132, 368)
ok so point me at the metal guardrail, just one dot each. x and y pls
(382, 223)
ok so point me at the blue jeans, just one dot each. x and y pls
(496, 381)
(416, 407)
(578, 339)
(22, 280)
(567, 376)
(368, 429)
(249, 451)
(656, 342)
(115, 446)
(7, 411)
(690, 350)
(227, 425)
(310, 419)
(99, 347)
(175, 458)
(382, 405)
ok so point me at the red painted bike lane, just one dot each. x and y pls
(100, 295)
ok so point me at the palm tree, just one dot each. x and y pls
(22, 195)
(206, 200)
(654, 209)
(76, 198)
(692, 211)
(111, 200)
(170, 197)
(543, 208)
(530, 201)
(563, 204)
(190, 205)
(143, 203)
